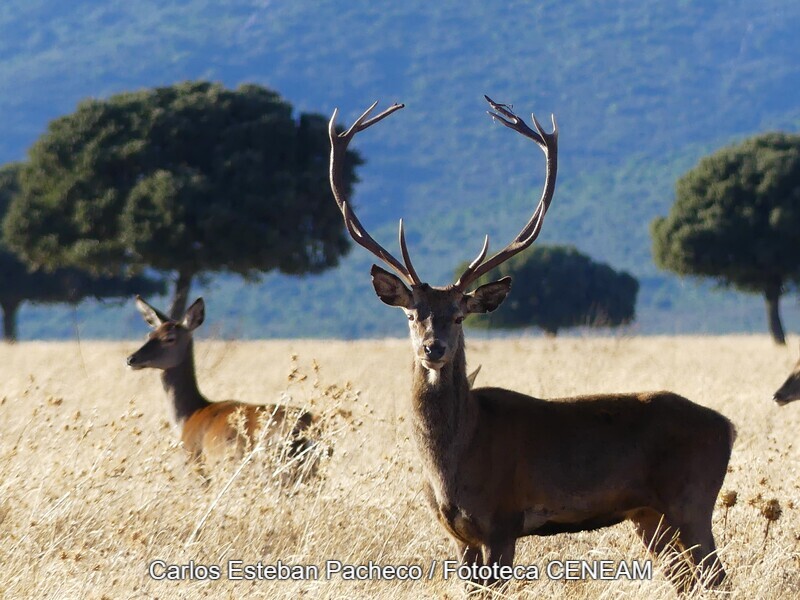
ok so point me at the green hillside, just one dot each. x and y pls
(641, 91)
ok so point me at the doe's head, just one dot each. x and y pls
(168, 343)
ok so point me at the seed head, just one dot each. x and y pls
(771, 509)
(729, 498)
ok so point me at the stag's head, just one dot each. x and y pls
(790, 390)
(170, 340)
(435, 314)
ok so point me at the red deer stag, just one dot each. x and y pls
(501, 465)
(790, 390)
(209, 429)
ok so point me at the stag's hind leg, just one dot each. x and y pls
(691, 514)
(696, 536)
(659, 537)
(686, 545)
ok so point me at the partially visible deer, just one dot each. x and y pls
(210, 429)
(501, 465)
(790, 390)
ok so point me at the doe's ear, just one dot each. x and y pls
(390, 289)
(151, 315)
(487, 297)
(195, 315)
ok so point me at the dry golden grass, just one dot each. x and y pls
(93, 485)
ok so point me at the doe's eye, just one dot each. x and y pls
(410, 316)
(458, 320)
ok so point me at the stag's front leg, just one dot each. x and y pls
(500, 553)
(471, 556)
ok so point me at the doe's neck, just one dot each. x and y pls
(180, 383)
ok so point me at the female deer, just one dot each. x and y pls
(209, 429)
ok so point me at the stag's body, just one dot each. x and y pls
(501, 465)
(209, 430)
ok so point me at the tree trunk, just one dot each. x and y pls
(772, 294)
(181, 295)
(10, 320)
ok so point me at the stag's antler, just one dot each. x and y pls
(548, 142)
(339, 143)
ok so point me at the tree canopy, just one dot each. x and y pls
(69, 284)
(187, 179)
(736, 219)
(557, 287)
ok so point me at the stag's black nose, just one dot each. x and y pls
(131, 360)
(434, 350)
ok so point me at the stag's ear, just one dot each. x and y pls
(390, 289)
(471, 377)
(152, 316)
(487, 297)
(195, 315)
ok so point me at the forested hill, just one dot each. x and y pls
(640, 90)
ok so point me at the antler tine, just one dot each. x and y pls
(474, 264)
(548, 142)
(512, 121)
(356, 126)
(406, 257)
(339, 143)
(364, 239)
(541, 130)
(361, 123)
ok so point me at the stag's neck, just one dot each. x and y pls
(180, 383)
(444, 419)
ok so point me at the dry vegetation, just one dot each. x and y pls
(93, 485)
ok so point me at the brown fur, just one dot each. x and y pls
(214, 430)
(210, 430)
(502, 465)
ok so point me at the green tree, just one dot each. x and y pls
(71, 285)
(557, 287)
(188, 179)
(736, 219)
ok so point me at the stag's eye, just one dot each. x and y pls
(458, 320)
(410, 316)
(169, 340)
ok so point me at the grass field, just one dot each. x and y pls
(94, 485)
